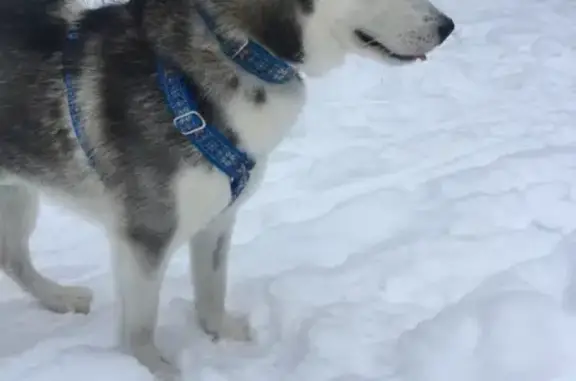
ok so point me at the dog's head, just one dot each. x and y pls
(391, 31)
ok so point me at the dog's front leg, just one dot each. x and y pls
(209, 251)
(140, 262)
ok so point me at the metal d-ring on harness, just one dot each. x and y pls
(188, 120)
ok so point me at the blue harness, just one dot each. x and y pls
(214, 146)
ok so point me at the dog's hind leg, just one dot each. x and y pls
(18, 214)
(209, 251)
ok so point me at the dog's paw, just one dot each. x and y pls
(237, 327)
(65, 299)
(231, 327)
(150, 357)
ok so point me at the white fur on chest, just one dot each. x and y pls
(261, 126)
(203, 193)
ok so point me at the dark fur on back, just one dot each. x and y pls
(30, 112)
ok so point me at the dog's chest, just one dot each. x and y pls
(262, 116)
(203, 193)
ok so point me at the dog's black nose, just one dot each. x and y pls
(445, 29)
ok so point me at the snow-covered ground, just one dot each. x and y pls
(419, 225)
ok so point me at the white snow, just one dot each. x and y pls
(418, 225)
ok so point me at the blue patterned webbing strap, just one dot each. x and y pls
(215, 147)
(251, 56)
(70, 56)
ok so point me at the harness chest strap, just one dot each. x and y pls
(215, 147)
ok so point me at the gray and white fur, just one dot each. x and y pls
(149, 188)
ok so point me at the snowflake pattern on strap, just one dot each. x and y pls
(251, 56)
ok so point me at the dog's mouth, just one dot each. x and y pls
(371, 42)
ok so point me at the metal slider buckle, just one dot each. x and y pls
(193, 130)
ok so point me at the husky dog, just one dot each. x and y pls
(141, 179)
